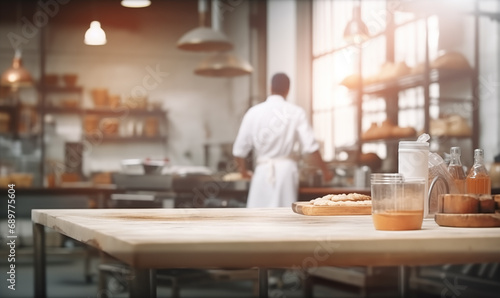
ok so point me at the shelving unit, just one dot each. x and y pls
(390, 90)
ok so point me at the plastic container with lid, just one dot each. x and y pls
(413, 162)
(397, 203)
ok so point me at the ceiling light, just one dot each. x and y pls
(204, 39)
(356, 31)
(136, 3)
(16, 76)
(95, 36)
(223, 65)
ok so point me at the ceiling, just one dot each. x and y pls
(109, 12)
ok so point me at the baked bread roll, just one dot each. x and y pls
(451, 60)
(403, 132)
(458, 126)
(385, 130)
(371, 133)
(351, 81)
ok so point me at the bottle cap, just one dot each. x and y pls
(455, 151)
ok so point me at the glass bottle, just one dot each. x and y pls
(478, 181)
(456, 169)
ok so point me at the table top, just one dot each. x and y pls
(272, 238)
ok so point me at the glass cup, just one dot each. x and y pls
(397, 204)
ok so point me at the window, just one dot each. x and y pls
(334, 111)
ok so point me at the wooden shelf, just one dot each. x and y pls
(388, 140)
(59, 110)
(118, 112)
(134, 139)
(124, 111)
(416, 80)
(61, 89)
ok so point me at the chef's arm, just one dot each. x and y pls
(242, 167)
(318, 161)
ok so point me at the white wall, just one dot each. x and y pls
(282, 42)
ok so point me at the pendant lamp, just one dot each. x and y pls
(95, 36)
(356, 31)
(204, 39)
(222, 64)
(16, 75)
(136, 3)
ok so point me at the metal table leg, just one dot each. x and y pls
(40, 264)
(403, 281)
(142, 283)
(263, 283)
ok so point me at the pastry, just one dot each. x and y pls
(451, 60)
(352, 199)
(351, 81)
(371, 133)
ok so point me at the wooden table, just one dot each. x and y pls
(149, 239)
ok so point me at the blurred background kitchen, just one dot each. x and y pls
(141, 95)
(140, 103)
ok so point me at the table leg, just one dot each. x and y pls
(142, 283)
(263, 283)
(403, 281)
(39, 259)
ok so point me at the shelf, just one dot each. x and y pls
(61, 89)
(58, 110)
(135, 139)
(388, 140)
(20, 136)
(440, 139)
(124, 111)
(6, 108)
(450, 100)
(416, 80)
(118, 112)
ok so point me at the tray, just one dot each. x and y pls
(306, 208)
(469, 220)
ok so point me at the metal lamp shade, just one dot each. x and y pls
(16, 75)
(356, 30)
(204, 39)
(223, 65)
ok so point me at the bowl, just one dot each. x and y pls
(153, 166)
(70, 79)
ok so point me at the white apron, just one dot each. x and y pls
(275, 183)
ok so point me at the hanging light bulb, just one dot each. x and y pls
(95, 36)
(16, 76)
(136, 3)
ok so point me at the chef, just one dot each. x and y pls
(272, 129)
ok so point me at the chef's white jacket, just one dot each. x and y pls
(272, 129)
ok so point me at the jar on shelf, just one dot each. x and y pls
(90, 124)
(110, 126)
(151, 127)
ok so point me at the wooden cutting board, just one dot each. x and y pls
(470, 220)
(306, 208)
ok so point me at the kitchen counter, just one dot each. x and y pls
(148, 239)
